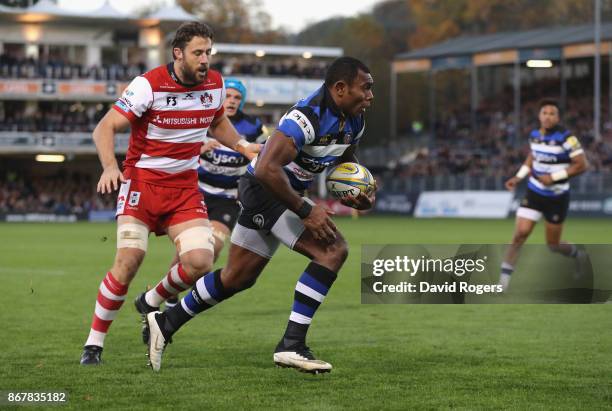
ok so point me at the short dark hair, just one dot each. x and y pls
(187, 31)
(345, 69)
(549, 102)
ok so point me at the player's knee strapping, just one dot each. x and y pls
(194, 238)
(132, 235)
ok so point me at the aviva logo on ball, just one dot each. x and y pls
(349, 179)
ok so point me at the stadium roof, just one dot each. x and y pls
(49, 7)
(47, 10)
(503, 48)
(106, 11)
(172, 13)
(279, 50)
(547, 37)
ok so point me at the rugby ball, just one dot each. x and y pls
(349, 179)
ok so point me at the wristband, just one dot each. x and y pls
(523, 172)
(242, 143)
(559, 175)
(304, 210)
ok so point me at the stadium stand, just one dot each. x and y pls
(61, 70)
(53, 92)
(473, 136)
(20, 67)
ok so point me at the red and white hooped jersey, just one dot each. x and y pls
(169, 123)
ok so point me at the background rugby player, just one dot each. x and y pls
(555, 157)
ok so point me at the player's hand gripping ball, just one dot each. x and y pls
(347, 180)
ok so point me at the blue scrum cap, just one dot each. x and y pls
(237, 85)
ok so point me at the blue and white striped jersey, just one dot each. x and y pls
(221, 168)
(552, 150)
(321, 133)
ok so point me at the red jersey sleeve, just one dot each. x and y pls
(136, 99)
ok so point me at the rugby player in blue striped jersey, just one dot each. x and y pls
(556, 156)
(319, 131)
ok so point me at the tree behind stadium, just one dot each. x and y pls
(438, 20)
(235, 21)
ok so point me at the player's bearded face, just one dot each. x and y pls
(195, 59)
(549, 116)
(359, 95)
(233, 98)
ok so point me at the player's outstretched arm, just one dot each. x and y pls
(104, 138)
(279, 151)
(223, 130)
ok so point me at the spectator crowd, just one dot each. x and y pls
(290, 67)
(12, 67)
(61, 194)
(50, 116)
(494, 148)
(59, 69)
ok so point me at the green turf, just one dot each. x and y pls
(384, 356)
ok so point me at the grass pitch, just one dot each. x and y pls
(384, 356)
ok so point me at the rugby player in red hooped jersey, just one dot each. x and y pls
(170, 110)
